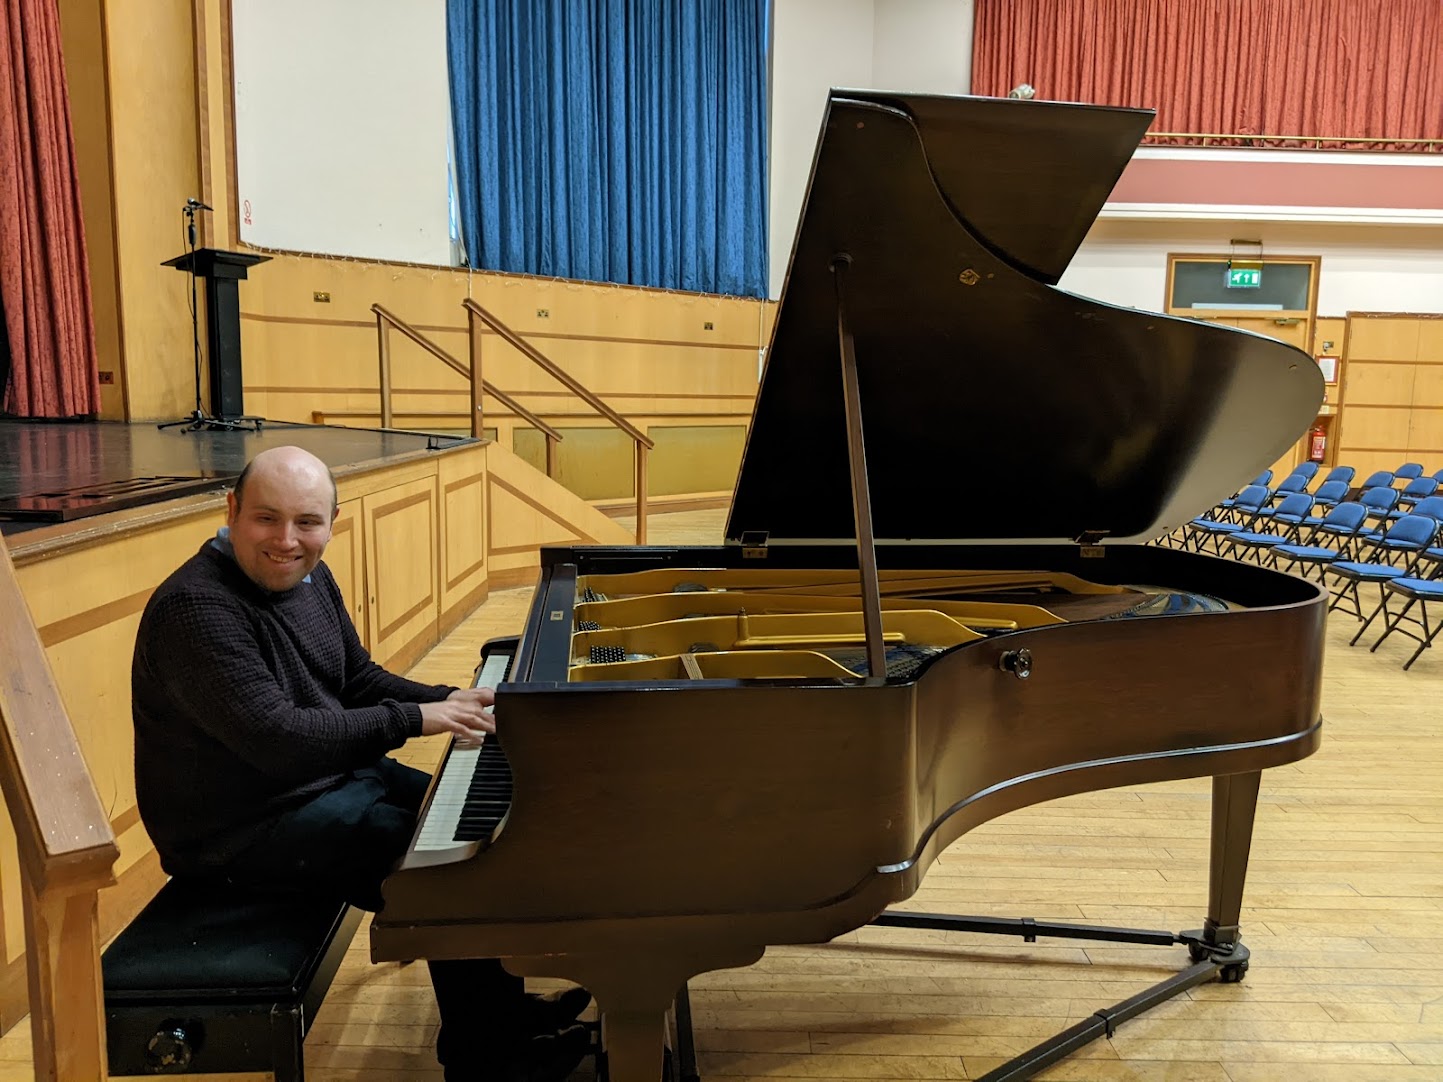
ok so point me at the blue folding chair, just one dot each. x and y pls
(1404, 542)
(1294, 482)
(1244, 510)
(1379, 479)
(1379, 501)
(1306, 470)
(1224, 506)
(1342, 522)
(1408, 471)
(1418, 592)
(1415, 491)
(1287, 518)
(1331, 493)
(1344, 474)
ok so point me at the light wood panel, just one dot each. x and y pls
(1373, 384)
(1378, 429)
(525, 510)
(1382, 339)
(399, 526)
(1394, 360)
(345, 556)
(155, 164)
(462, 480)
(82, 26)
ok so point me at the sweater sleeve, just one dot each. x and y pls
(367, 683)
(213, 670)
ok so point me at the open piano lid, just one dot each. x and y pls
(995, 406)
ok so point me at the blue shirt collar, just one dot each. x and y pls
(221, 543)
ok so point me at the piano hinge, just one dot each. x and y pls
(1088, 541)
(754, 544)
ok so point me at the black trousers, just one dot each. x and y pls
(343, 843)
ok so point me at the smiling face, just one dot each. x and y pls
(281, 523)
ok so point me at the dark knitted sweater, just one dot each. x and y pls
(246, 703)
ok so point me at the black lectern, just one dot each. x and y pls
(221, 271)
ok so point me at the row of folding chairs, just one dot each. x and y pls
(1405, 564)
(1368, 541)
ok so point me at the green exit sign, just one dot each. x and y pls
(1245, 277)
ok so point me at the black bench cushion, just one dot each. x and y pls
(198, 943)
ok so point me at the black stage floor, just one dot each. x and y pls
(40, 457)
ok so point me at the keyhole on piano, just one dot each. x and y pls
(1017, 662)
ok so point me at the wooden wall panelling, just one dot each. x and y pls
(1378, 428)
(525, 511)
(1393, 390)
(1425, 438)
(1380, 383)
(648, 354)
(462, 480)
(82, 27)
(595, 462)
(155, 168)
(346, 558)
(695, 458)
(399, 527)
(1382, 338)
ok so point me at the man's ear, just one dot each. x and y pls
(232, 508)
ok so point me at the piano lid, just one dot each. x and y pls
(995, 406)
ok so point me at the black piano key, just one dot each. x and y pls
(488, 796)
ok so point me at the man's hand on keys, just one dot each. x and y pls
(465, 712)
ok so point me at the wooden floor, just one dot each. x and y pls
(1343, 914)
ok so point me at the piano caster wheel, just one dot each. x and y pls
(1232, 966)
(1017, 662)
(1234, 973)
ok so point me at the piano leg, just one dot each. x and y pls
(1235, 800)
(634, 990)
(635, 1042)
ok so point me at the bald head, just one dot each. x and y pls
(291, 467)
(280, 517)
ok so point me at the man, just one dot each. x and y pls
(261, 732)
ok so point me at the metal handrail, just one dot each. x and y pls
(385, 318)
(553, 369)
(640, 440)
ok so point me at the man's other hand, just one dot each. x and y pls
(484, 696)
(464, 714)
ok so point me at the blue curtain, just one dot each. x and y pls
(613, 140)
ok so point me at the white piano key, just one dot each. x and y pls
(438, 823)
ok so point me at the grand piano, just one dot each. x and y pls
(936, 604)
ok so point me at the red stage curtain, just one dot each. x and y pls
(1368, 72)
(44, 277)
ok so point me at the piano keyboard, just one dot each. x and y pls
(474, 790)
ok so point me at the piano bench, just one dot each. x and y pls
(210, 981)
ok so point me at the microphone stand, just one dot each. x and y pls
(198, 420)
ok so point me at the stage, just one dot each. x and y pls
(110, 461)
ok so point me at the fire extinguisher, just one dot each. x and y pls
(1317, 443)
